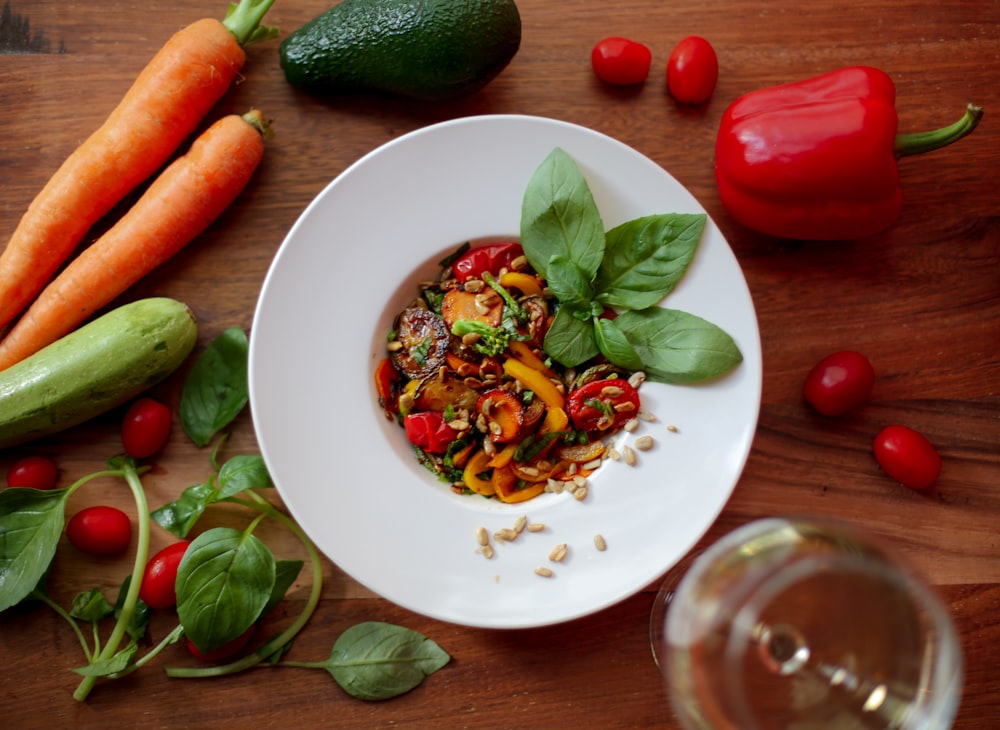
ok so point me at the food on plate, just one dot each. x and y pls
(907, 456)
(103, 364)
(433, 50)
(816, 159)
(839, 383)
(165, 104)
(620, 61)
(100, 530)
(482, 404)
(182, 201)
(692, 70)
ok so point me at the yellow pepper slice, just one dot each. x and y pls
(524, 283)
(555, 420)
(504, 457)
(525, 354)
(470, 475)
(534, 381)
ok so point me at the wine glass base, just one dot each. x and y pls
(658, 614)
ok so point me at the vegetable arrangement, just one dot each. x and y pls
(181, 202)
(509, 371)
(165, 104)
(223, 581)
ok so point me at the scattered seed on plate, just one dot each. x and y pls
(487, 551)
(644, 443)
(628, 455)
(646, 416)
(544, 572)
(600, 543)
(505, 534)
(482, 536)
(637, 378)
(672, 428)
(580, 494)
(614, 454)
(535, 526)
(558, 553)
(520, 523)
(631, 424)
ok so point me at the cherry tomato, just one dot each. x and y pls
(159, 580)
(602, 404)
(100, 530)
(145, 428)
(907, 456)
(492, 258)
(428, 430)
(621, 62)
(34, 472)
(839, 383)
(692, 70)
(226, 651)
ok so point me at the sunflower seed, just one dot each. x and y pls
(544, 572)
(637, 378)
(600, 543)
(631, 425)
(644, 443)
(520, 523)
(482, 536)
(628, 455)
(558, 553)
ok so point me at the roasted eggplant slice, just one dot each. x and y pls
(422, 338)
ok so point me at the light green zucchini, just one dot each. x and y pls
(95, 368)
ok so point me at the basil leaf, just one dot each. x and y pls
(179, 516)
(569, 340)
(115, 664)
(215, 390)
(285, 573)
(31, 522)
(560, 218)
(613, 344)
(376, 661)
(91, 606)
(243, 472)
(678, 347)
(646, 257)
(570, 285)
(224, 581)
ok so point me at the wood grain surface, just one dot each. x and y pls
(922, 300)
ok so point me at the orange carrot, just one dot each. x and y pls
(163, 107)
(180, 203)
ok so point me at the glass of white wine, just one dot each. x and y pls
(802, 624)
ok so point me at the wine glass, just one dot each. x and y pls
(804, 623)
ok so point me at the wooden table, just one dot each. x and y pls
(921, 299)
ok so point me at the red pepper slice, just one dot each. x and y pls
(601, 405)
(490, 258)
(387, 385)
(816, 159)
(429, 431)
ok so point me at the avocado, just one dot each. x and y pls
(431, 50)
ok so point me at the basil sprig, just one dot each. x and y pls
(629, 269)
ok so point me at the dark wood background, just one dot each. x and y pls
(922, 300)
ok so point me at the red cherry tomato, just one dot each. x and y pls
(428, 430)
(621, 62)
(226, 651)
(907, 456)
(159, 580)
(839, 383)
(603, 404)
(100, 530)
(692, 70)
(145, 428)
(34, 472)
(492, 258)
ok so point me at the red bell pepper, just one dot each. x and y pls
(816, 159)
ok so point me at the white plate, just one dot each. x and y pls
(346, 474)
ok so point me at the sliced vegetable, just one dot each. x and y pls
(534, 381)
(429, 431)
(503, 414)
(423, 342)
(461, 305)
(602, 405)
(478, 464)
(491, 259)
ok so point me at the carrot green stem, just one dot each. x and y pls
(919, 142)
(243, 21)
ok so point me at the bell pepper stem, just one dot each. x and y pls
(918, 142)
